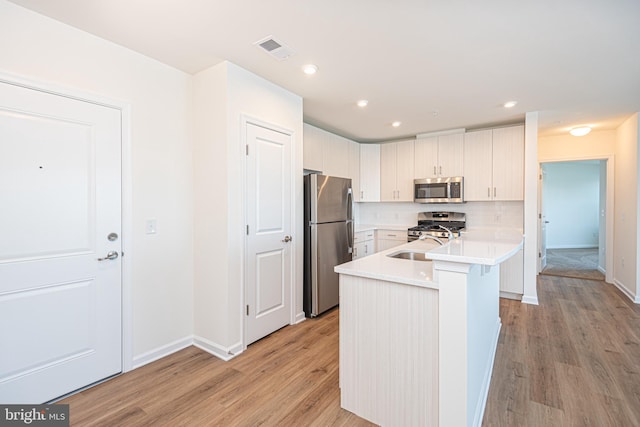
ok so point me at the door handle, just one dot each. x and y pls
(110, 255)
(287, 239)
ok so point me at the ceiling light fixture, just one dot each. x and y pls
(396, 124)
(510, 104)
(310, 69)
(362, 103)
(580, 131)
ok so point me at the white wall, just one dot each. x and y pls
(598, 144)
(571, 199)
(626, 208)
(43, 50)
(224, 94)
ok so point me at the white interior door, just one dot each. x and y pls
(542, 224)
(269, 252)
(60, 306)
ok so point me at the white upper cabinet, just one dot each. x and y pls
(478, 169)
(508, 163)
(494, 164)
(354, 169)
(439, 156)
(332, 155)
(336, 156)
(313, 148)
(396, 171)
(369, 173)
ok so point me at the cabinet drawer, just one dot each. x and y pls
(398, 235)
(362, 236)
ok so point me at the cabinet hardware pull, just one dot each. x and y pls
(434, 170)
(488, 191)
(494, 191)
(440, 170)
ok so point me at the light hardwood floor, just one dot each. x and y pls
(573, 360)
(289, 378)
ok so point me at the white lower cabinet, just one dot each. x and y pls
(363, 244)
(512, 277)
(387, 239)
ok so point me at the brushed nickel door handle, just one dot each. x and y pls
(110, 255)
(287, 239)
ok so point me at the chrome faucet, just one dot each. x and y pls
(429, 236)
(450, 235)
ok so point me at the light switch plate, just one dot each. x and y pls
(151, 226)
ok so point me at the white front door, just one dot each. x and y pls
(269, 253)
(60, 306)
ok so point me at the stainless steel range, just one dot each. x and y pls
(437, 224)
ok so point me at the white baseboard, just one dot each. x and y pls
(527, 299)
(602, 270)
(626, 291)
(511, 295)
(160, 352)
(300, 318)
(486, 380)
(224, 353)
(584, 246)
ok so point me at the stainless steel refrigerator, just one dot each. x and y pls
(328, 239)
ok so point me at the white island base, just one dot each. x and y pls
(419, 351)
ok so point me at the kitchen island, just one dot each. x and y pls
(418, 338)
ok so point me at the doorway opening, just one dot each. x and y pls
(573, 218)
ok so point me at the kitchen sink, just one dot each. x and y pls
(413, 256)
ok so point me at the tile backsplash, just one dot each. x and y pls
(479, 214)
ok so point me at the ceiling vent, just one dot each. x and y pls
(275, 48)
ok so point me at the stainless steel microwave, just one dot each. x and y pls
(439, 190)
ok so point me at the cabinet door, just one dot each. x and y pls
(336, 156)
(478, 160)
(388, 172)
(508, 161)
(426, 158)
(451, 155)
(312, 148)
(511, 274)
(369, 172)
(354, 169)
(359, 250)
(404, 170)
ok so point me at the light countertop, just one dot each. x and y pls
(381, 267)
(485, 247)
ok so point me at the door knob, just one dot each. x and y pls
(287, 239)
(110, 255)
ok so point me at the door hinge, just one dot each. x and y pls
(539, 216)
(539, 254)
(540, 177)
(247, 149)
(247, 229)
(247, 309)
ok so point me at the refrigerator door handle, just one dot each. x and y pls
(350, 203)
(350, 236)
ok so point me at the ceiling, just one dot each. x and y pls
(432, 65)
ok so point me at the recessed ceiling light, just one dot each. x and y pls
(580, 131)
(510, 104)
(396, 124)
(310, 69)
(362, 103)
